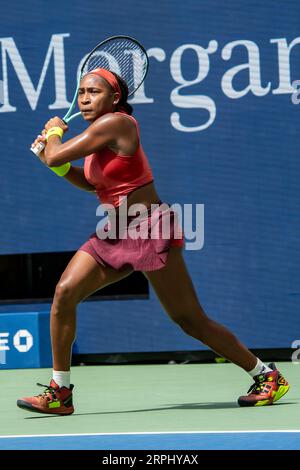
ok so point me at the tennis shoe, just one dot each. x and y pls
(266, 390)
(54, 400)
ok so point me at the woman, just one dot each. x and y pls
(117, 168)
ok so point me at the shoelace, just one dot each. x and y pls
(258, 386)
(48, 389)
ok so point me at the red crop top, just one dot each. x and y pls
(115, 176)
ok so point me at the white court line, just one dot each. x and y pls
(154, 433)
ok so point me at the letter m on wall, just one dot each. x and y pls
(55, 49)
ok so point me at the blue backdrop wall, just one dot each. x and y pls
(220, 129)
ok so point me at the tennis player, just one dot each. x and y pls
(117, 169)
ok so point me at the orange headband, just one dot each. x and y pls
(109, 77)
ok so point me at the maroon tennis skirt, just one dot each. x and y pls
(141, 242)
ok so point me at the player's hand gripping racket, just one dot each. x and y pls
(120, 54)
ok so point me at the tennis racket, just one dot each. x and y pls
(120, 54)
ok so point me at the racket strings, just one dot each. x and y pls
(125, 58)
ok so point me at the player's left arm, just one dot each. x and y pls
(104, 131)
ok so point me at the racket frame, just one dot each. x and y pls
(68, 116)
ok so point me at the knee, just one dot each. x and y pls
(195, 326)
(64, 295)
(184, 322)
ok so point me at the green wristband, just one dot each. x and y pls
(61, 170)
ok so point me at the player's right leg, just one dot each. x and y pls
(81, 278)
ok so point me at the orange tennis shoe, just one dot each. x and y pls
(266, 390)
(54, 400)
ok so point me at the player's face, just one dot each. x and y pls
(95, 97)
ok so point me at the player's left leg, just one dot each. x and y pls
(174, 288)
(177, 295)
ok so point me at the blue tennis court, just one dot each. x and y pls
(228, 440)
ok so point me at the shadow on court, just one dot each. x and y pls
(184, 406)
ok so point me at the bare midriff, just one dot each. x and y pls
(145, 195)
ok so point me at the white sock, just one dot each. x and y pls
(62, 378)
(260, 368)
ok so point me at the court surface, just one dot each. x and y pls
(188, 406)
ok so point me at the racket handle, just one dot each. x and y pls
(38, 148)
